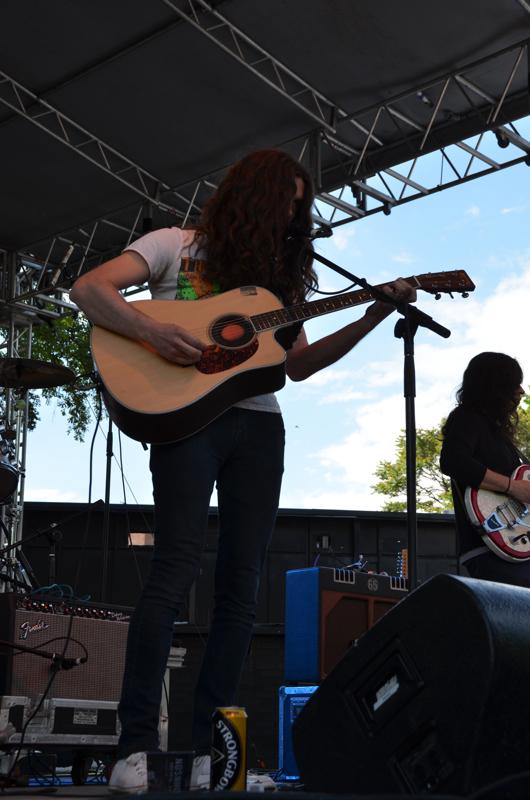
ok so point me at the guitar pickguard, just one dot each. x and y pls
(503, 521)
(219, 359)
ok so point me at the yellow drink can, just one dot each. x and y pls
(229, 750)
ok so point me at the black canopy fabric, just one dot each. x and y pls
(106, 106)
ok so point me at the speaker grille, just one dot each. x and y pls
(27, 675)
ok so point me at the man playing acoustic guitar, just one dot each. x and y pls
(254, 231)
(480, 455)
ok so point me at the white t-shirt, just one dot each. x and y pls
(164, 252)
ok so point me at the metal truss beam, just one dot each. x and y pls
(233, 41)
(14, 423)
(53, 122)
(524, 5)
(354, 159)
(389, 188)
(454, 95)
(251, 55)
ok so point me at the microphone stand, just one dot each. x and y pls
(105, 534)
(405, 328)
(58, 661)
(53, 533)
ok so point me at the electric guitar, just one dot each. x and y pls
(504, 521)
(154, 400)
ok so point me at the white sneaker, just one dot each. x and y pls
(129, 775)
(200, 773)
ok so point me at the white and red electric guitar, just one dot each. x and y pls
(505, 522)
(154, 400)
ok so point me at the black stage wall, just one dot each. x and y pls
(301, 539)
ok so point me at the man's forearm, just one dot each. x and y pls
(104, 305)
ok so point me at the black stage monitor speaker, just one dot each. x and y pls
(434, 698)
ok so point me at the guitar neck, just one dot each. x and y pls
(282, 317)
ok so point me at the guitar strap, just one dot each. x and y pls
(476, 551)
(522, 456)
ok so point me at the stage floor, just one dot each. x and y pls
(101, 790)
(31, 792)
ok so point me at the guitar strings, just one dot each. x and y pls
(218, 327)
(290, 313)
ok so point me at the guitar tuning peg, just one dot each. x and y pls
(437, 296)
(465, 294)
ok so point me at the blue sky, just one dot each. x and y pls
(344, 420)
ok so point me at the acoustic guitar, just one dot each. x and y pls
(503, 520)
(154, 400)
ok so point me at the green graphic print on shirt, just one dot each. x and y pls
(192, 283)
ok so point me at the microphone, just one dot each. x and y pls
(67, 663)
(323, 231)
(58, 661)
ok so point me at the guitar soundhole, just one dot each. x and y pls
(219, 359)
(232, 331)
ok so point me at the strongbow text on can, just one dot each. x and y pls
(229, 750)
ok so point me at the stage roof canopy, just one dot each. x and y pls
(119, 115)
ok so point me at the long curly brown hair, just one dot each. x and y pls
(246, 226)
(489, 385)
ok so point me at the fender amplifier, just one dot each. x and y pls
(326, 610)
(96, 631)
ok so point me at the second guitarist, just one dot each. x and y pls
(479, 451)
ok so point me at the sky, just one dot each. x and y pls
(343, 421)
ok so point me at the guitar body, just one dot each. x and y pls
(154, 400)
(504, 521)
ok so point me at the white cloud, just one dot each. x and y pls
(327, 376)
(342, 239)
(384, 373)
(45, 495)
(513, 210)
(473, 211)
(403, 258)
(344, 396)
(353, 498)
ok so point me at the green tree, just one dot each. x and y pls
(65, 341)
(433, 488)
(523, 429)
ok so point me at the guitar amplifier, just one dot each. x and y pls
(96, 631)
(71, 721)
(326, 610)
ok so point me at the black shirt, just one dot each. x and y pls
(471, 445)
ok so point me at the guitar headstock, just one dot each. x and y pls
(456, 280)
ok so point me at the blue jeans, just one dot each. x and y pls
(243, 452)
